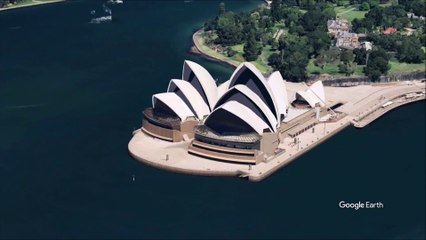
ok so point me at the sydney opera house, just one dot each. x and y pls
(242, 120)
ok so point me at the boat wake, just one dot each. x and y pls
(24, 106)
(102, 19)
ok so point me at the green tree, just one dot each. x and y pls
(347, 56)
(210, 24)
(364, 6)
(374, 75)
(410, 50)
(229, 31)
(294, 65)
(267, 39)
(275, 60)
(378, 64)
(316, 18)
(251, 49)
(230, 52)
(313, 20)
(360, 56)
(289, 42)
(332, 55)
(320, 60)
(293, 58)
(347, 68)
(292, 17)
(319, 41)
(276, 10)
(328, 13)
(373, 3)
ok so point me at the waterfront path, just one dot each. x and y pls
(209, 53)
(379, 110)
(358, 104)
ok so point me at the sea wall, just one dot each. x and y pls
(363, 80)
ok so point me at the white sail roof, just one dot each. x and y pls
(174, 102)
(318, 90)
(254, 103)
(203, 81)
(247, 74)
(279, 89)
(190, 96)
(222, 88)
(244, 113)
(313, 95)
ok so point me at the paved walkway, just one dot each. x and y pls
(356, 100)
(196, 40)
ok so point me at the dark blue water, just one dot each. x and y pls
(71, 93)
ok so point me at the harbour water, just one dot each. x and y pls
(71, 93)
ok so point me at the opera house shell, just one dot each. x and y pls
(238, 121)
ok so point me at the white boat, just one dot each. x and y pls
(115, 1)
(101, 19)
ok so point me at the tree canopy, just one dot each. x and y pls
(378, 64)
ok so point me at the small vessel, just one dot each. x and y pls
(101, 19)
(115, 1)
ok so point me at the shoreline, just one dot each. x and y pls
(198, 50)
(375, 114)
(30, 5)
(356, 109)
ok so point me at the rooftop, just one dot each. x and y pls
(241, 137)
(161, 119)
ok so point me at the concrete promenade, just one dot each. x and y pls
(361, 106)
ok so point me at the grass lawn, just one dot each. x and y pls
(388, 4)
(353, 14)
(262, 61)
(25, 2)
(332, 69)
(212, 52)
(349, 13)
(238, 48)
(405, 67)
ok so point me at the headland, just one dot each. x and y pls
(301, 130)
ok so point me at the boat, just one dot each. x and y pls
(115, 1)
